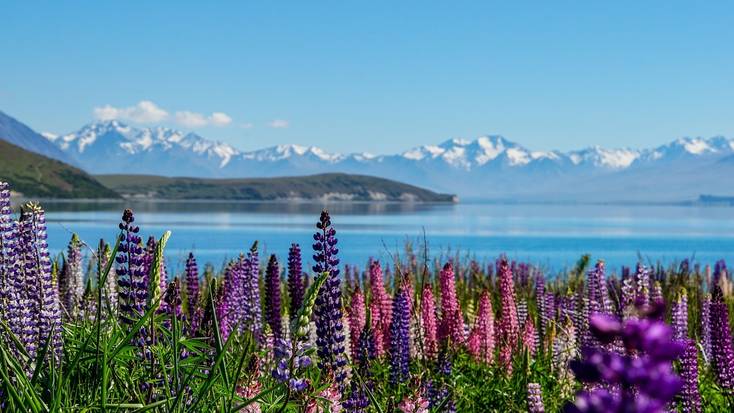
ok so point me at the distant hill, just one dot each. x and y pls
(19, 134)
(334, 187)
(35, 175)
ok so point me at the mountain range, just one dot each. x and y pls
(489, 167)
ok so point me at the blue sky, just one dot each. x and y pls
(376, 76)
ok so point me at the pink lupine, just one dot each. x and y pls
(376, 327)
(481, 339)
(381, 312)
(509, 330)
(452, 323)
(529, 336)
(406, 284)
(357, 319)
(249, 392)
(414, 404)
(429, 323)
(329, 400)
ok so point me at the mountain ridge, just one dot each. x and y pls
(489, 167)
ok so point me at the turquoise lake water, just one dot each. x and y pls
(550, 236)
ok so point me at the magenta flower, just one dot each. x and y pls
(381, 311)
(509, 330)
(357, 320)
(429, 323)
(481, 339)
(452, 322)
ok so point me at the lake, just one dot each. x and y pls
(550, 236)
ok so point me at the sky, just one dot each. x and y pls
(379, 77)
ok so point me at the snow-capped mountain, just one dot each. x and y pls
(486, 167)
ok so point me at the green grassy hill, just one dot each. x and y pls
(37, 176)
(334, 186)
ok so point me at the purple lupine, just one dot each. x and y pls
(599, 302)
(171, 303)
(132, 289)
(231, 298)
(71, 285)
(642, 279)
(400, 340)
(690, 396)
(679, 317)
(295, 280)
(722, 354)
(540, 300)
(535, 398)
(328, 313)
(192, 285)
(15, 292)
(252, 316)
(644, 376)
(7, 252)
(272, 297)
(27, 285)
(706, 327)
(43, 302)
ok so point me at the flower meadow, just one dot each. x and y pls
(106, 327)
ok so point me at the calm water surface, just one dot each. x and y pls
(551, 236)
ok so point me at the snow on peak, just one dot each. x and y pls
(50, 136)
(606, 158)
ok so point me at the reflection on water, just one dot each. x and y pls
(346, 208)
(553, 236)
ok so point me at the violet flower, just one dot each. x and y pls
(400, 340)
(535, 398)
(679, 317)
(295, 280)
(329, 328)
(690, 396)
(722, 354)
(272, 297)
(71, 285)
(132, 291)
(643, 379)
(192, 285)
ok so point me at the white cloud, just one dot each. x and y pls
(144, 112)
(148, 112)
(247, 125)
(190, 119)
(220, 119)
(197, 120)
(279, 124)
